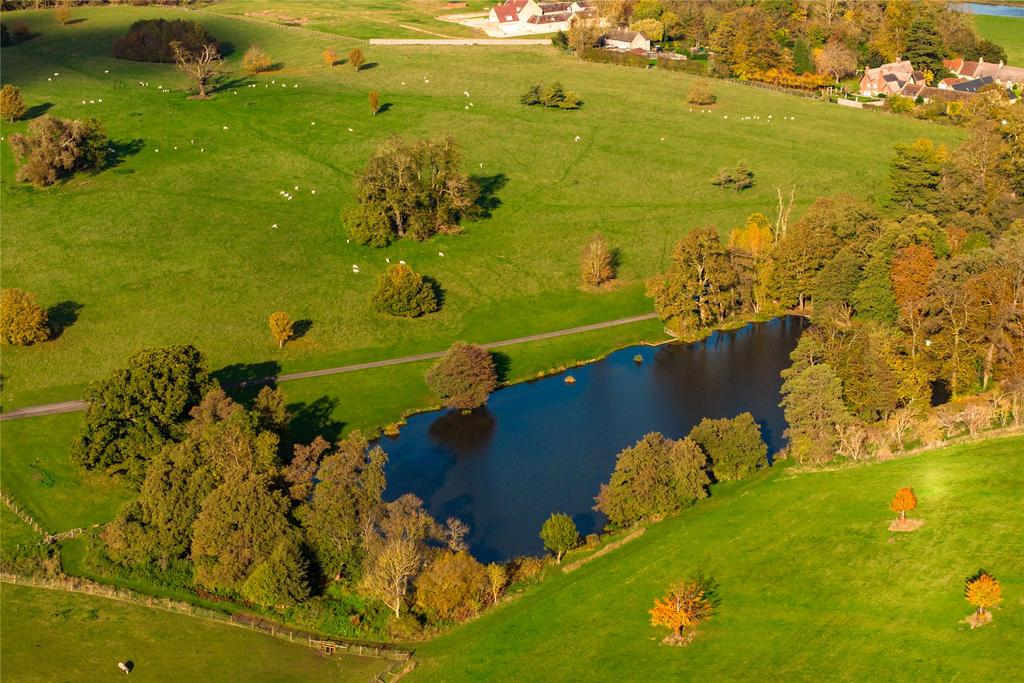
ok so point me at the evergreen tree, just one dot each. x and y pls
(281, 579)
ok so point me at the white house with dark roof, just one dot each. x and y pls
(523, 17)
(624, 39)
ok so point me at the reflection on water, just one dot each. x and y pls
(991, 10)
(547, 446)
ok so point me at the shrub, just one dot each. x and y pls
(256, 60)
(403, 292)
(463, 377)
(553, 96)
(453, 587)
(739, 178)
(898, 104)
(356, 58)
(54, 148)
(149, 40)
(22, 320)
(602, 56)
(22, 32)
(525, 570)
(701, 94)
(12, 106)
(597, 264)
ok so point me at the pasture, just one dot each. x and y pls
(175, 244)
(54, 636)
(811, 584)
(1006, 31)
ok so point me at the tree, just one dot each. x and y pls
(836, 60)
(139, 408)
(396, 546)
(300, 471)
(374, 100)
(329, 56)
(497, 578)
(657, 476)
(984, 592)
(271, 411)
(404, 293)
(282, 327)
(814, 410)
(916, 173)
(56, 148)
(652, 29)
(12, 106)
(203, 67)
(463, 377)
(744, 42)
(62, 14)
(22, 320)
(281, 579)
(410, 190)
(902, 502)
(239, 526)
(356, 58)
(701, 94)
(911, 269)
(559, 535)
(455, 531)
(596, 262)
(583, 35)
(685, 606)
(734, 447)
(349, 487)
(256, 60)
(924, 46)
(452, 587)
(700, 287)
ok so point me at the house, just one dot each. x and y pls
(973, 85)
(889, 79)
(622, 39)
(948, 83)
(1000, 73)
(519, 17)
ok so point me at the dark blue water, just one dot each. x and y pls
(991, 10)
(547, 446)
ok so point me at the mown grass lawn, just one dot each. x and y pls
(176, 245)
(54, 636)
(812, 585)
(1006, 31)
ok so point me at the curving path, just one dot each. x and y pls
(75, 406)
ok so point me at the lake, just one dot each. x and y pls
(546, 446)
(991, 10)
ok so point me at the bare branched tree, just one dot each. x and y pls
(204, 67)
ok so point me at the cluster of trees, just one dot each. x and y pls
(659, 476)
(410, 189)
(150, 40)
(804, 44)
(228, 504)
(54, 148)
(737, 178)
(553, 96)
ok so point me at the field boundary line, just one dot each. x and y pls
(76, 406)
(614, 545)
(74, 584)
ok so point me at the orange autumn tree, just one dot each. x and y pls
(685, 606)
(281, 327)
(902, 502)
(983, 591)
(911, 270)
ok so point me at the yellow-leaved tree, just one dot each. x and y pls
(281, 327)
(983, 591)
(22, 320)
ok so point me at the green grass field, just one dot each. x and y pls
(54, 636)
(812, 585)
(1006, 31)
(176, 245)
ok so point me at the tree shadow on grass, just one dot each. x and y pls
(301, 328)
(487, 201)
(231, 83)
(37, 110)
(502, 363)
(439, 292)
(248, 376)
(118, 151)
(368, 65)
(313, 419)
(79, 20)
(61, 316)
(383, 108)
